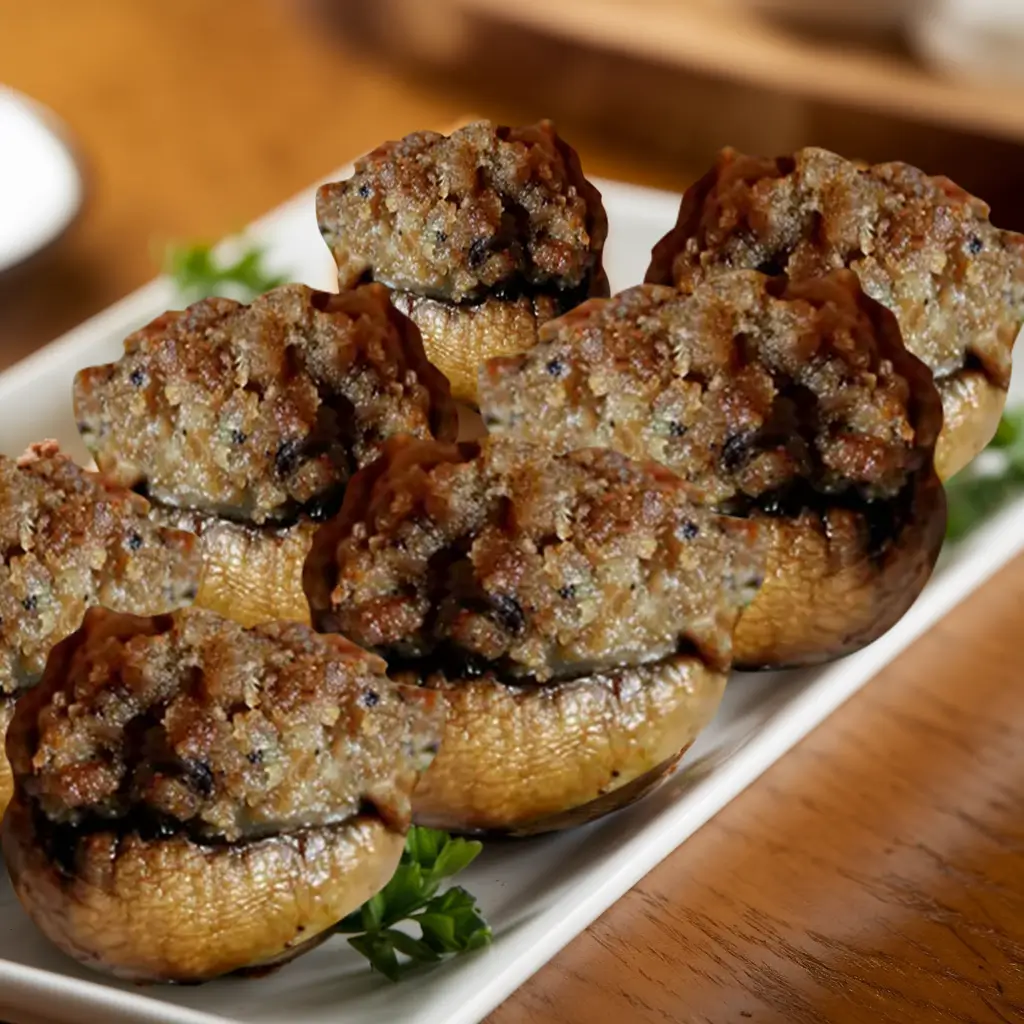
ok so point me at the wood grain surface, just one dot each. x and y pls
(877, 872)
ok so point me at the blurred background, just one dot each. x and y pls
(189, 119)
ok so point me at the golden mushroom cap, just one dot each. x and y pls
(171, 910)
(527, 759)
(251, 574)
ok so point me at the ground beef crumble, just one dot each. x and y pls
(261, 412)
(71, 540)
(508, 557)
(193, 722)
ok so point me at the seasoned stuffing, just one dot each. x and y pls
(750, 388)
(486, 211)
(507, 557)
(190, 722)
(71, 540)
(261, 412)
(920, 245)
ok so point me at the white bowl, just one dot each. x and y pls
(40, 186)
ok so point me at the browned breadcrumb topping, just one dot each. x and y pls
(508, 557)
(190, 721)
(920, 245)
(488, 210)
(71, 540)
(261, 412)
(746, 387)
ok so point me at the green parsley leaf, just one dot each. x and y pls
(976, 493)
(198, 272)
(449, 923)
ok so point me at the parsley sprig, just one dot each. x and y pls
(198, 272)
(977, 492)
(448, 922)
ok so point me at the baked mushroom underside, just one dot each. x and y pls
(251, 574)
(521, 758)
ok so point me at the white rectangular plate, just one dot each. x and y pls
(536, 893)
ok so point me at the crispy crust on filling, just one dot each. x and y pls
(920, 245)
(507, 558)
(758, 391)
(71, 540)
(261, 412)
(488, 211)
(188, 722)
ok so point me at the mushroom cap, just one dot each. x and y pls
(7, 703)
(173, 910)
(831, 587)
(527, 759)
(920, 245)
(972, 406)
(792, 403)
(193, 798)
(484, 235)
(575, 613)
(459, 339)
(251, 574)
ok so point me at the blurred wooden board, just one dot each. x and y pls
(705, 36)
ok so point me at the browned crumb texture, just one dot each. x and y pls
(488, 210)
(70, 540)
(261, 412)
(507, 558)
(188, 721)
(920, 245)
(748, 387)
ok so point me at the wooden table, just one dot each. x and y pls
(877, 872)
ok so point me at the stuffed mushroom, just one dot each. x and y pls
(793, 404)
(575, 611)
(72, 540)
(194, 798)
(483, 235)
(920, 245)
(244, 424)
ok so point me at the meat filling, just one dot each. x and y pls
(71, 540)
(487, 211)
(188, 722)
(505, 558)
(262, 412)
(920, 245)
(760, 393)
